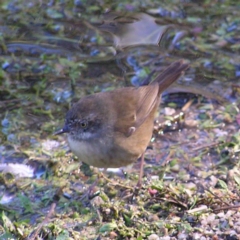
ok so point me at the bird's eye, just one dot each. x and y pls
(83, 124)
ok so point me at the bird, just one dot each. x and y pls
(113, 129)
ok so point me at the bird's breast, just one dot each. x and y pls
(101, 153)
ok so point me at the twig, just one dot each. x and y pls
(227, 207)
(215, 195)
(46, 219)
(49, 215)
(206, 146)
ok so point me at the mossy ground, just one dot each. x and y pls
(53, 53)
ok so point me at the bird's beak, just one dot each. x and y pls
(65, 129)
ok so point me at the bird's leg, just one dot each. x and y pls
(139, 183)
(131, 195)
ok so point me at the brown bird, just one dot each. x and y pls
(113, 129)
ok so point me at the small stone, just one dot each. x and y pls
(197, 236)
(48, 145)
(191, 123)
(112, 235)
(153, 237)
(153, 218)
(182, 235)
(229, 213)
(169, 111)
(238, 230)
(221, 214)
(175, 168)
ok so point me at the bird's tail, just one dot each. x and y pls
(170, 74)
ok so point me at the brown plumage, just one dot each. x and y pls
(113, 129)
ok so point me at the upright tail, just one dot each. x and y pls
(170, 75)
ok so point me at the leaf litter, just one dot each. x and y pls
(53, 53)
